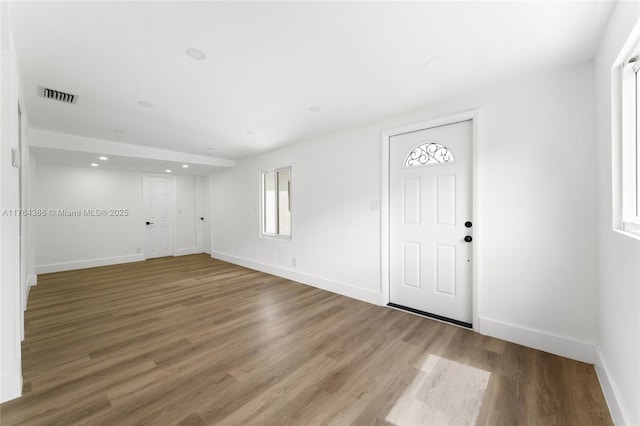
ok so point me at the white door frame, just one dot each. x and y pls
(474, 116)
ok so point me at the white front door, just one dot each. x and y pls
(158, 206)
(429, 219)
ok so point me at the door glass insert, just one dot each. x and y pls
(429, 153)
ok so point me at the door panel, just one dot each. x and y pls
(430, 200)
(411, 201)
(411, 264)
(446, 200)
(446, 269)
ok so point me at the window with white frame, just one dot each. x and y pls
(276, 203)
(429, 153)
(630, 164)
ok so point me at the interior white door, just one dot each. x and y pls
(158, 207)
(429, 218)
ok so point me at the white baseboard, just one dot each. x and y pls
(185, 251)
(10, 386)
(559, 345)
(32, 280)
(89, 263)
(610, 391)
(344, 289)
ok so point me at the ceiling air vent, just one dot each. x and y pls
(58, 95)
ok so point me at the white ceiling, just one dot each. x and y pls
(267, 63)
(65, 157)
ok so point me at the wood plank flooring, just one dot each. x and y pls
(195, 341)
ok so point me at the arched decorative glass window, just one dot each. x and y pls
(429, 153)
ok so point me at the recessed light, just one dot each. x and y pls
(250, 133)
(185, 166)
(118, 130)
(314, 109)
(432, 63)
(168, 170)
(210, 148)
(145, 104)
(103, 158)
(195, 54)
(94, 164)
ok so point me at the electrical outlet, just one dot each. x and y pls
(138, 250)
(375, 205)
(294, 262)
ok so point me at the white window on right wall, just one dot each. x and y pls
(276, 203)
(630, 164)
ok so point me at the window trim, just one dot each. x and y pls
(629, 217)
(262, 216)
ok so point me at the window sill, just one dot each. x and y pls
(276, 237)
(630, 229)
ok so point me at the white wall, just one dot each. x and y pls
(618, 361)
(71, 242)
(536, 215)
(10, 285)
(335, 235)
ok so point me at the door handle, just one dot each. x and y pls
(468, 224)
(468, 238)
(149, 223)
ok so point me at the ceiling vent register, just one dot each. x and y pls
(57, 95)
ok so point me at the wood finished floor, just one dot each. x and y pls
(192, 341)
